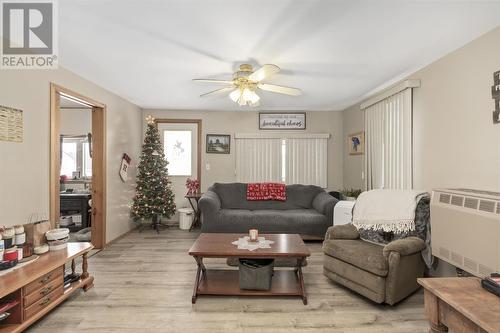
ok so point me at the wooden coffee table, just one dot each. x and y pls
(226, 281)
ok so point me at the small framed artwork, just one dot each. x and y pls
(218, 144)
(282, 121)
(356, 143)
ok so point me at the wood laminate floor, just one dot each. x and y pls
(144, 283)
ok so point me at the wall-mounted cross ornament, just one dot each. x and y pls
(495, 94)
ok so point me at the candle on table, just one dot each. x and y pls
(254, 235)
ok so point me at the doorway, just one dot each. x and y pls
(181, 141)
(78, 165)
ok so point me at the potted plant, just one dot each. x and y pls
(350, 194)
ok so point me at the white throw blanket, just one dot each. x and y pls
(387, 210)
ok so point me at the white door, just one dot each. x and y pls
(180, 145)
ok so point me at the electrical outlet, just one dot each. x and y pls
(207, 166)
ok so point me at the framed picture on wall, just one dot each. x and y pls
(356, 143)
(218, 144)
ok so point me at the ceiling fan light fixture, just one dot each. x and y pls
(245, 83)
(235, 95)
(250, 96)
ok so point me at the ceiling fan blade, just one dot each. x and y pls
(263, 72)
(279, 89)
(214, 81)
(218, 91)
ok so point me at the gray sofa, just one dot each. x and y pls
(308, 211)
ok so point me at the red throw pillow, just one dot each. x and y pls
(266, 191)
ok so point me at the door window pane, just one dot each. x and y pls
(68, 159)
(177, 148)
(87, 160)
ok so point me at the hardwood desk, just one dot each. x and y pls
(71, 203)
(461, 305)
(37, 288)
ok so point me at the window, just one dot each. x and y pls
(177, 148)
(75, 156)
(68, 158)
(388, 125)
(294, 159)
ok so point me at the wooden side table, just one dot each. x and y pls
(193, 201)
(461, 305)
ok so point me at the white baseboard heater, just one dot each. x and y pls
(465, 228)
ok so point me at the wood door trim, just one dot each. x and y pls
(76, 96)
(187, 121)
(99, 181)
(98, 229)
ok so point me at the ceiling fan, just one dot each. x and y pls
(245, 83)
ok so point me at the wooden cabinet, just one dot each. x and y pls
(43, 302)
(43, 286)
(44, 280)
(37, 288)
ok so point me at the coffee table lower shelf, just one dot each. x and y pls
(224, 282)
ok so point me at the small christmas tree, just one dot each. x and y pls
(154, 197)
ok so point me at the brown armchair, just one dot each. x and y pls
(384, 274)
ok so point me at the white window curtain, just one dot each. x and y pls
(388, 126)
(306, 161)
(258, 160)
(289, 158)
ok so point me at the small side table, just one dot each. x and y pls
(193, 201)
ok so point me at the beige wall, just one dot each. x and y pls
(24, 167)
(75, 121)
(455, 140)
(226, 122)
(353, 122)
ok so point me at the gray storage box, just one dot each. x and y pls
(256, 274)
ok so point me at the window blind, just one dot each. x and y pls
(388, 126)
(306, 161)
(258, 160)
(291, 158)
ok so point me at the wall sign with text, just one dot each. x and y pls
(11, 124)
(282, 121)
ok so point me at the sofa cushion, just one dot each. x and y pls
(234, 196)
(300, 221)
(359, 253)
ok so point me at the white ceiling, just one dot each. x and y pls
(335, 51)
